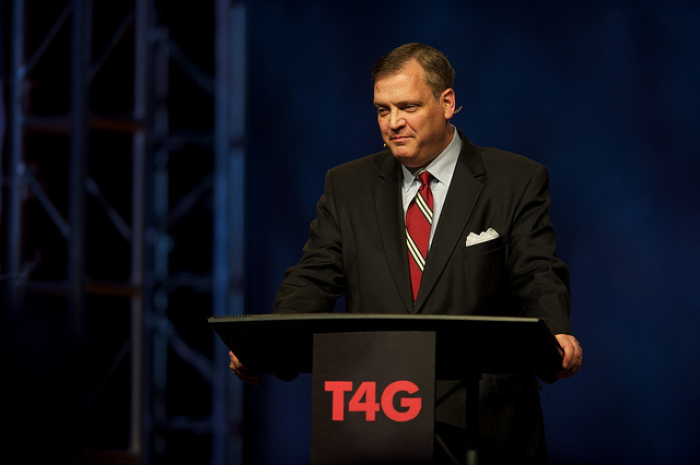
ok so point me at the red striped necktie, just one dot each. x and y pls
(419, 218)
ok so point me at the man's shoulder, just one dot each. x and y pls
(499, 162)
(487, 159)
(495, 156)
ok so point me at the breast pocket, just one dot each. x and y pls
(484, 247)
(484, 269)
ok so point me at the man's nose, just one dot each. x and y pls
(396, 120)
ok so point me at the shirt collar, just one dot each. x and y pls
(442, 167)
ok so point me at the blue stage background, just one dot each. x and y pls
(605, 94)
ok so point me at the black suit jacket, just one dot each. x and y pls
(357, 248)
(357, 244)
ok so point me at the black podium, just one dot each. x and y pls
(374, 374)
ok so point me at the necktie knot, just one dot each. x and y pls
(425, 178)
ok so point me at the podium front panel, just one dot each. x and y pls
(373, 398)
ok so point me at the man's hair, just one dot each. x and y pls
(438, 72)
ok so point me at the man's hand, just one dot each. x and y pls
(572, 353)
(242, 372)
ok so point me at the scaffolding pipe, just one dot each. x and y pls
(140, 150)
(15, 165)
(229, 194)
(77, 213)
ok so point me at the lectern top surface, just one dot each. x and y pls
(283, 343)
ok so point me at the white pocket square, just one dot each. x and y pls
(488, 235)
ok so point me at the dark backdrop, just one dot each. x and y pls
(604, 93)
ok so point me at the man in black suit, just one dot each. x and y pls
(489, 251)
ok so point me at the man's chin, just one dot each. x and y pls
(405, 158)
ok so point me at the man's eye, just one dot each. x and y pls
(410, 107)
(382, 111)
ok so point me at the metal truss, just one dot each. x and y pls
(122, 210)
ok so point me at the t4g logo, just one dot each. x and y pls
(365, 400)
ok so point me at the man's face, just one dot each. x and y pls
(414, 124)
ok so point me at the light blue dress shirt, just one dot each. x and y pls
(442, 169)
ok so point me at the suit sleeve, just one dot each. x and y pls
(539, 279)
(315, 283)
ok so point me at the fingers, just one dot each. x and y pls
(572, 355)
(242, 372)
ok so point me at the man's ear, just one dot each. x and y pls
(447, 98)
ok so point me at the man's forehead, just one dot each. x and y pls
(401, 94)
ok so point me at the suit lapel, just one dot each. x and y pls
(389, 209)
(459, 204)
